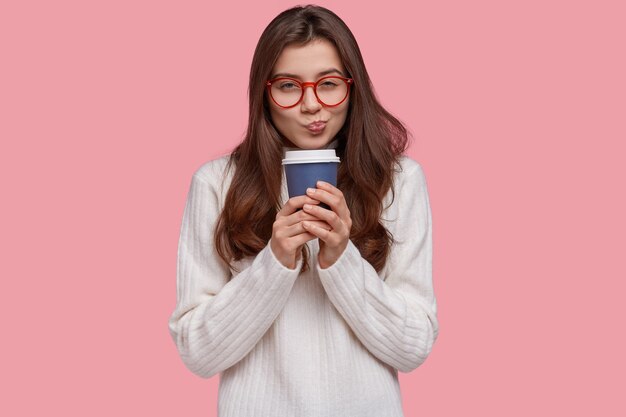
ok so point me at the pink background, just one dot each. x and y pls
(518, 114)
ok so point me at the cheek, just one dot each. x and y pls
(283, 120)
(286, 117)
(341, 114)
(277, 116)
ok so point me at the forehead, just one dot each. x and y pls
(308, 60)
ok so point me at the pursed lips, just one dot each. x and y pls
(316, 124)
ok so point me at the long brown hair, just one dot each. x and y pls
(369, 144)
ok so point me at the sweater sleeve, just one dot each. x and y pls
(217, 321)
(394, 318)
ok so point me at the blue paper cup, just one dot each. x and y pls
(304, 168)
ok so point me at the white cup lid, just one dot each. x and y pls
(310, 156)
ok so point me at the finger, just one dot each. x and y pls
(319, 223)
(299, 228)
(298, 217)
(336, 203)
(328, 216)
(342, 208)
(301, 239)
(294, 203)
(319, 232)
(326, 186)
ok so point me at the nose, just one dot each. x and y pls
(309, 101)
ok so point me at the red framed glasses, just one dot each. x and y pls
(330, 91)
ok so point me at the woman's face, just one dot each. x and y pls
(306, 63)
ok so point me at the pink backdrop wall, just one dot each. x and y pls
(518, 114)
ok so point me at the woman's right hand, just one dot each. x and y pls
(288, 234)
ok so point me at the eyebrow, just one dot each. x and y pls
(328, 71)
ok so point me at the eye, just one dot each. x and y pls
(288, 85)
(329, 84)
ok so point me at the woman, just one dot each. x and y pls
(306, 311)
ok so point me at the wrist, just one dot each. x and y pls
(287, 260)
(327, 257)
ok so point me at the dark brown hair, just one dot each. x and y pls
(369, 144)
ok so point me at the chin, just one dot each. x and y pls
(313, 142)
(314, 145)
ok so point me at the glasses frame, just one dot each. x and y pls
(303, 85)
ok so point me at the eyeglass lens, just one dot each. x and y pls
(331, 91)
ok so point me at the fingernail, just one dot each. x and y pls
(308, 207)
(310, 190)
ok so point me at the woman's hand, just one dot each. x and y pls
(334, 241)
(288, 233)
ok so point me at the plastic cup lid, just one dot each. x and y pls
(310, 156)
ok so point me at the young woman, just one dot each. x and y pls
(306, 311)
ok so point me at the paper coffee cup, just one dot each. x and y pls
(305, 167)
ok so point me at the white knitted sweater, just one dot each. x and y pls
(328, 342)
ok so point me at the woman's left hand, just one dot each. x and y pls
(332, 242)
